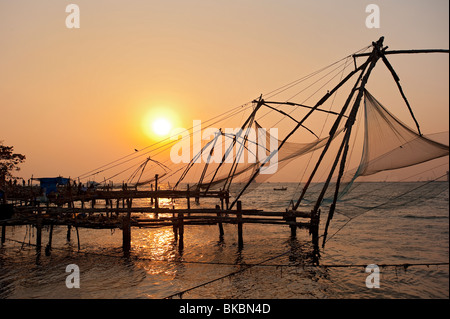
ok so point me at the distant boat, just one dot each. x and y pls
(280, 189)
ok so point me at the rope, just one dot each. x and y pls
(260, 264)
(245, 267)
(237, 110)
(298, 81)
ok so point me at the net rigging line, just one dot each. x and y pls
(341, 72)
(164, 147)
(223, 116)
(304, 89)
(314, 73)
(298, 81)
(285, 87)
(245, 267)
(340, 65)
(148, 152)
(344, 63)
(187, 164)
(260, 264)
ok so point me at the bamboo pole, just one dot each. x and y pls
(38, 232)
(322, 100)
(49, 245)
(78, 238)
(156, 191)
(292, 220)
(239, 224)
(181, 231)
(374, 57)
(174, 226)
(126, 230)
(219, 214)
(405, 52)
(3, 234)
(188, 198)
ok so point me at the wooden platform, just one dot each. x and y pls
(74, 209)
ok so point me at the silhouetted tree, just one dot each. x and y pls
(9, 162)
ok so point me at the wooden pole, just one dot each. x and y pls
(151, 198)
(126, 230)
(3, 234)
(219, 214)
(156, 190)
(175, 227)
(181, 230)
(314, 228)
(227, 200)
(299, 124)
(69, 228)
(78, 237)
(188, 198)
(404, 52)
(38, 233)
(49, 245)
(374, 57)
(292, 219)
(239, 224)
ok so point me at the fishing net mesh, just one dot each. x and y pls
(390, 145)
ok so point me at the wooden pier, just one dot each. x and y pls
(114, 209)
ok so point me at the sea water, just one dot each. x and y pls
(369, 228)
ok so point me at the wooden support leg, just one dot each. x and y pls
(293, 230)
(3, 234)
(181, 231)
(69, 228)
(38, 235)
(175, 230)
(156, 190)
(188, 198)
(291, 219)
(219, 214)
(239, 224)
(227, 202)
(314, 230)
(78, 237)
(49, 245)
(126, 230)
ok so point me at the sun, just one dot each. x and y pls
(158, 122)
(161, 126)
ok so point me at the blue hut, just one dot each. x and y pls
(50, 184)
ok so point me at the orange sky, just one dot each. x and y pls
(74, 99)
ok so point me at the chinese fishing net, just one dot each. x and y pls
(390, 145)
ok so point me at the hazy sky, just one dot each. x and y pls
(74, 99)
